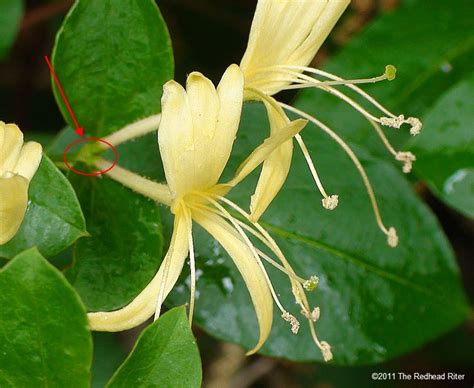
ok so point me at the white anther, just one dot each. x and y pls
(295, 325)
(313, 315)
(393, 122)
(407, 158)
(330, 202)
(392, 237)
(326, 351)
(416, 125)
(311, 283)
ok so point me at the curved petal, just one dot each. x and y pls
(286, 32)
(144, 305)
(11, 141)
(247, 266)
(29, 160)
(275, 153)
(175, 138)
(276, 166)
(196, 122)
(13, 204)
(274, 173)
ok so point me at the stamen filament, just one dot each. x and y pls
(151, 189)
(329, 202)
(298, 291)
(336, 80)
(392, 120)
(192, 267)
(134, 130)
(405, 157)
(262, 239)
(390, 232)
(249, 244)
(358, 90)
(166, 270)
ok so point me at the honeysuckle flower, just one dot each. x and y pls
(196, 134)
(18, 165)
(284, 38)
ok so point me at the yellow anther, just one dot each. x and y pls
(390, 72)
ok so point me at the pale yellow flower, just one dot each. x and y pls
(18, 165)
(284, 38)
(196, 134)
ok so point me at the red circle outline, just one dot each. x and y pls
(96, 139)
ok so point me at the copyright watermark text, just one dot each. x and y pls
(420, 376)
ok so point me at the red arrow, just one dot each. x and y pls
(78, 129)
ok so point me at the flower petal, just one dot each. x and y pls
(194, 122)
(280, 136)
(252, 274)
(286, 32)
(11, 141)
(13, 204)
(144, 305)
(29, 160)
(275, 167)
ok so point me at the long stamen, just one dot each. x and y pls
(264, 256)
(392, 120)
(192, 267)
(267, 240)
(247, 241)
(388, 74)
(285, 314)
(305, 81)
(134, 130)
(406, 157)
(329, 201)
(153, 190)
(391, 234)
(348, 84)
(159, 300)
(297, 288)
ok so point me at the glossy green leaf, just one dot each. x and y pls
(44, 338)
(11, 12)
(376, 302)
(112, 61)
(166, 355)
(446, 151)
(426, 40)
(113, 78)
(108, 356)
(124, 250)
(54, 218)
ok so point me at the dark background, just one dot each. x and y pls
(207, 35)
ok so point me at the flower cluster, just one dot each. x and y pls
(18, 165)
(197, 129)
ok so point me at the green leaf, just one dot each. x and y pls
(54, 218)
(165, 355)
(44, 338)
(427, 42)
(108, 356)
(446, 153)
(11, 12)
(125, 247)
(111, 79)
(376, 302)
(112, 62)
